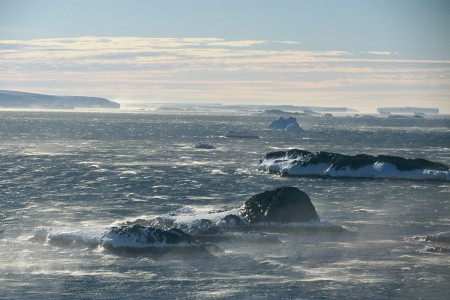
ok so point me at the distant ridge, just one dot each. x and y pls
(14, 99)
(268, 109)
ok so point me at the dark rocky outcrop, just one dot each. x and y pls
(282, 205)
(443, 237)
(151, 236)
(232, 221)
(200, 227)
(138, 238)
(340, 161)
(438, 249)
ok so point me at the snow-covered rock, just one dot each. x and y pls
(304, 163)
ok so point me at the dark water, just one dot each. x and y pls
(88, 170)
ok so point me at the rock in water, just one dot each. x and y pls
(282, 205)
(297, 162)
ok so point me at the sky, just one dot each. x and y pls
(361, 54)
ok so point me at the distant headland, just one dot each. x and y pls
(23, 100)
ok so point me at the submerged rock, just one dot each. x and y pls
(282, 205)
(438, 249)
(438, 237)
(204, 146)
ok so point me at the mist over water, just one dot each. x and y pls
(90, 170)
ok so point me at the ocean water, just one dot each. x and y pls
(85, 171)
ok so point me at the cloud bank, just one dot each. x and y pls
(136, 69)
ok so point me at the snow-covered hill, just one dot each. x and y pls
(14, 99)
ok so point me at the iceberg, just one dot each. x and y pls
(286, 124)
(407, 110)
(295, 127)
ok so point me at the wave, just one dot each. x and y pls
(297, 162)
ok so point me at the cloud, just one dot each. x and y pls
(288, 42)
(380, 53)
(209, 68)
(130, 52)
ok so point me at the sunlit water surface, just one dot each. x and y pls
(69, 169)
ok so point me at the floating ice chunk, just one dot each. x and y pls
(285, 124)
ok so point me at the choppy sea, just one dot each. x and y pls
(88, 170)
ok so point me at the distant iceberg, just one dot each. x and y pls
(407, 110)
(285, 124)
(304, 163)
